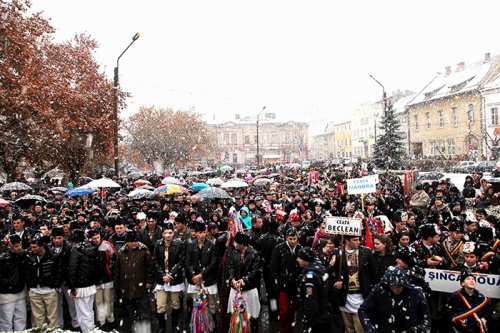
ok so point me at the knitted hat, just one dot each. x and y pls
(306, 254)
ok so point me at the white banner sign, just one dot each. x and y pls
(343, 225)
(372, 178)
(361, 185)
(449, 281)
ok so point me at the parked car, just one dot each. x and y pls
(462, 165)
(486, 166)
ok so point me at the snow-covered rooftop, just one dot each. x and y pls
(458, 81)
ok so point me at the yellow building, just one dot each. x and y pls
(343, 140)
(444, 119)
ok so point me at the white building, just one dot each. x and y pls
(491, 129)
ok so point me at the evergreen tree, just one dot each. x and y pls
(388, 152)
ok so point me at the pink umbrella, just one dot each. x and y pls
(4, 203)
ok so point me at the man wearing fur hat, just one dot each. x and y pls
(13, 267)
(134, 277)
(244, 271)
(467, 309)
(451, 246)
(472, 263)
(427, 248)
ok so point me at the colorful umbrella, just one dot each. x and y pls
(169, 189)
(4, 203)
(78, 192)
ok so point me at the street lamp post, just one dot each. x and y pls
(115, 107)
(258, 156)
(384, 101)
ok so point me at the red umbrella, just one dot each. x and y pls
(4, 203)
(141, 182)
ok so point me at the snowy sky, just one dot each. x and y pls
(304, 60)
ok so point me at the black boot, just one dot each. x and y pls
(161, 322)
(176, 314)
(254, 325)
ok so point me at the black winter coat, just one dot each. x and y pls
(380, 264)
(248, 270)
(456, 307)
(314, 295)
(284, 268)
(176, 261)
(44, 273)
(63, 257)
(146, 240)
(13, 267)
(383, 311)
(202, 261)
(83, 266)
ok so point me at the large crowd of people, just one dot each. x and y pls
(97, 259)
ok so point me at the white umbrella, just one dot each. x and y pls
(171, 180)
(234, 184)
(140, 193)
(225, 168)
(262, 181)
(15, 186)
(103, 182)
(214, 181)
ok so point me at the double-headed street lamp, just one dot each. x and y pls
(258, 156)
(115, 106)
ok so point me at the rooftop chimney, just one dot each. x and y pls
(447, 70)
(460, 66)
(487, 57)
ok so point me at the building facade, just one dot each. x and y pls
(323, 145)
(445, 118)
(491, 102)
(343, 140)
(278, 142)
(365, 128)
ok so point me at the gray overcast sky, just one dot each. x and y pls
(304, 60)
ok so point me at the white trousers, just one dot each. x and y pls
(13, 316)
(104, 299)
(85, 312)
(60, 307)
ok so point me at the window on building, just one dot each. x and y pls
(225, 140)
(416, 122)
(494, 116)
(247, 139)
(234, 138)
(235, 158)
(287, 137)
(274, 138)
(441, 118)
(428, 119)
(470, 113)
(451, 147)
(455, 116)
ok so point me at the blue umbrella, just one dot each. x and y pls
(199, 186)
(78, 192)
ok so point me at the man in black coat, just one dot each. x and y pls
(244, 271)
(152, 232)
(82, 277)
(284, 272)
(395, 305)
(313, 293)
(44, 276)
(201, 265)
(13, 266)
(170, 257)
(468, 310)
(265, 246)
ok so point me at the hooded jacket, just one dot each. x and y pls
(247, 220)
(383, 311)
